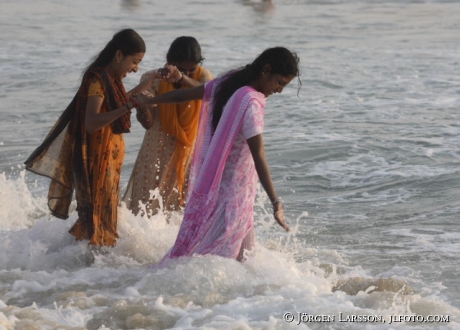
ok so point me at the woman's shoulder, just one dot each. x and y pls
(249, 92)
(206, 75)
(249, 96)
(95, 87)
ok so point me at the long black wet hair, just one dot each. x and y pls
(281, 60)
(126, 40)
(184, 49)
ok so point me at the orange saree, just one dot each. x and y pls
(90, 164)
(180, 120)
(160, 175)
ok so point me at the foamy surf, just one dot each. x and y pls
(51, 281)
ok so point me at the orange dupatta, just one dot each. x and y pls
(180, 120)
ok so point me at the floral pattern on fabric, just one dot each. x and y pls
(87, 164)
(106, 152)
(155, 166)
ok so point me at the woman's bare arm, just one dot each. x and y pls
(94, 120)
(145, 83)
(256, 145)
(176, 75)
(177, 96)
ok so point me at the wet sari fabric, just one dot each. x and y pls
(219, 215)
(89, 164)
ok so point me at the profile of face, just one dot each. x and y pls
(188, 68)
(272, 83)
(127, 64)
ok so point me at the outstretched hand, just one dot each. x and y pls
(143, 99)
(278, 213)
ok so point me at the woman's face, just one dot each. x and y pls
(127, 64)
(186, 67)
(273, 83)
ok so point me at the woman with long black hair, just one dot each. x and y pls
(229, 156)
(85, 149)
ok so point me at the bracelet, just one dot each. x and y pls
(134, 102)
(277, 200)
(181, 78)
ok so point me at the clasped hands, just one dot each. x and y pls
(169, 73)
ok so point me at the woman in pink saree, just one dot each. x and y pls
(229, 156)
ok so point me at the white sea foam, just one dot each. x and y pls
(51, 281)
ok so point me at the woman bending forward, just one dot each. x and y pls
(164, 159)
(229, 156)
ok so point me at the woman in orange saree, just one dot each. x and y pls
(164, 159)
(84, 151)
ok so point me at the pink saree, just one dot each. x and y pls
(218, 217)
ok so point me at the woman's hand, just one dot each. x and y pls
(150, 76)
(145, 107)
(278, 213)
(147, 93)
(143, 100)
(170, 73)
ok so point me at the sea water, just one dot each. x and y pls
(366, 156)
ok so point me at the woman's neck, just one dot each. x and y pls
(255, 84)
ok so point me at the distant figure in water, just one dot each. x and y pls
(261, 6)
(85, 149)
(229, 156)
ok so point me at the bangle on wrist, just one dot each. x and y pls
(133, 101)
(276, 201)
(181, 78)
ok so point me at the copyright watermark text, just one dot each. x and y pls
(299, 318)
